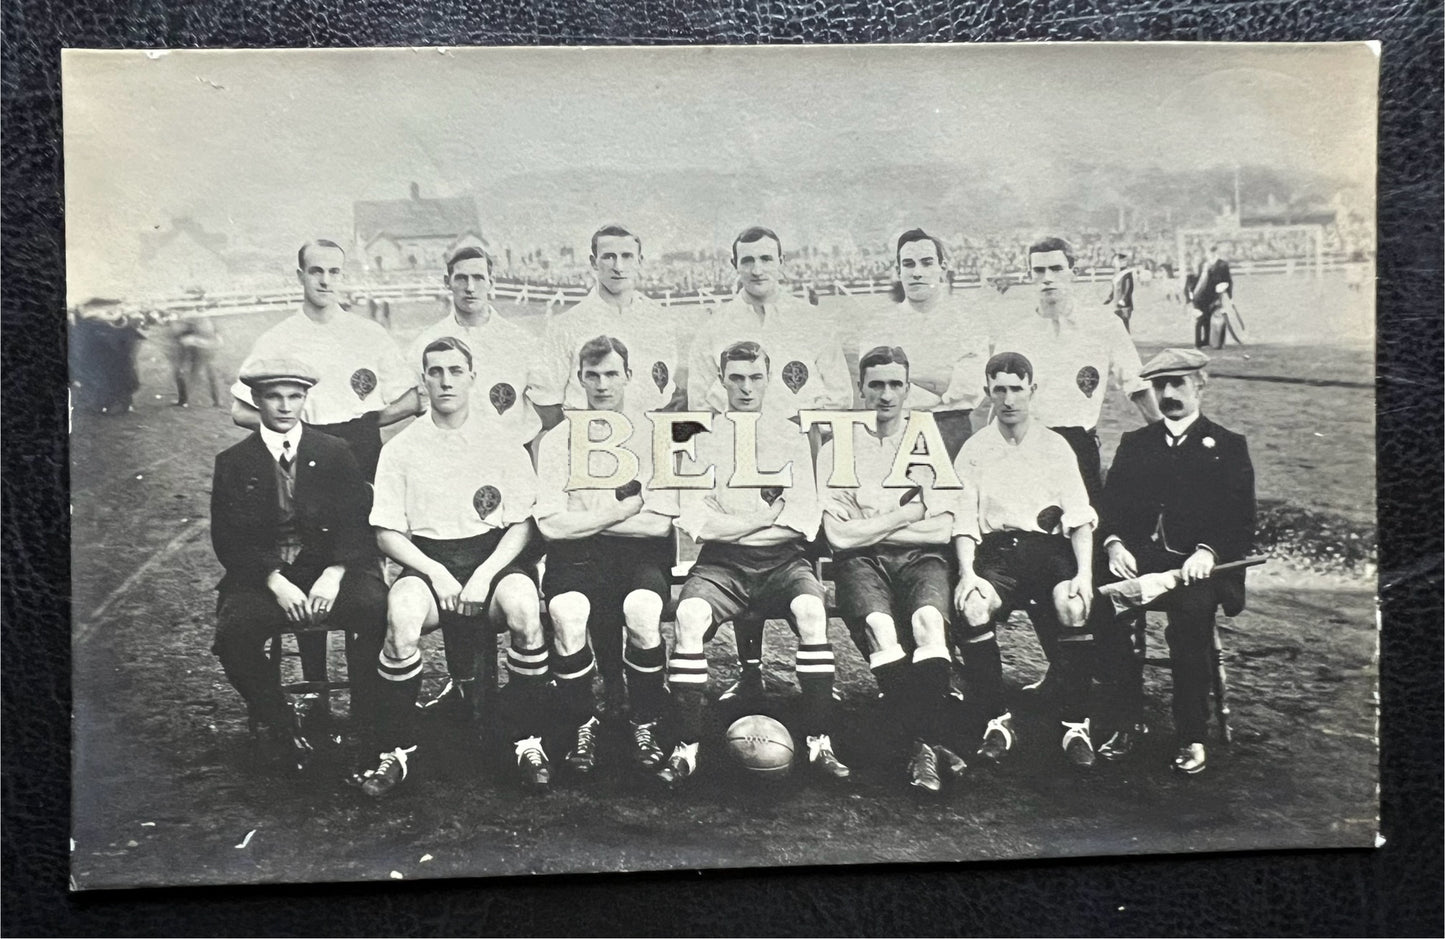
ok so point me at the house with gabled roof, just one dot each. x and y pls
(402, 236)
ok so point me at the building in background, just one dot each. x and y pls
(405, 236)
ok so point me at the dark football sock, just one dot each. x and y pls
(687, 674)
(814, 667)
(646, 676)
(576, 700)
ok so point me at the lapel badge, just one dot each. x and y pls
(1208, 443)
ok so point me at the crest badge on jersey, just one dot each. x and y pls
(795, 376)
(1049, 518)
(502, 396)
(486, 500)
(660, 375)
(1087, 380)
(363, 382)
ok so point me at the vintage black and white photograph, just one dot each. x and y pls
(515, 461)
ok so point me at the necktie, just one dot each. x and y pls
(286, 458)
(1175, 439)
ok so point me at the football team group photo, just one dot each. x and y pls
(675, 479)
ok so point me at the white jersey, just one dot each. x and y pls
(947, 347)
(779, 443)
(1032, 485)
(359, 367)
(1075, 359)
(554, 468)
(503, 355)
(655, 351)
(808, 370)
(446, 483)
(873, 458)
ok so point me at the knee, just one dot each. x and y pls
(407, 605)
(569, 613)
(516, 599)
(811, 617)
(642, 614)
(928, 627)
(882, 632)
(978, 611)
(1069, 609)
(694, 616)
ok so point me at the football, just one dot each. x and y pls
(762, 745)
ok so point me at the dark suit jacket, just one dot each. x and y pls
(1121, 292)
(1202, 491)
(332, 505)
(1206, 291)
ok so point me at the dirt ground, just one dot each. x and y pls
(167, 790)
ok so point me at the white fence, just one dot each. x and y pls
(520, 292)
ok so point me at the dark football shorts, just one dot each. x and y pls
(738, 579)
(1024, 566)
(462, 556)
(894, 579)
(606, 568)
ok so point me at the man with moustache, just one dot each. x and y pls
(454, 509)
(947, 343)
(891, 567)
(288, 523)
(363, 385)
(753, 561)
(1180, 496)
(609, 557)
(809, 371)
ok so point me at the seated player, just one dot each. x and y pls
(1180, 496)
(1027, 543)
(891, 566)
(455, 510)
(752, 561)
(288, 522)
(609, 553)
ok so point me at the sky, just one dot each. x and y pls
(272, 147)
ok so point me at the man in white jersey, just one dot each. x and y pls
(753, 560)
(891, 566)
(1077, 351)
(809, 372)
(609, 556)
(1027, 544)
(615, 307)
(455, 510)
(947, 342)
(363, 384)
(507, 353)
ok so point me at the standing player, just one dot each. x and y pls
(1180, 497)
(365, 383)
(454, 509)
(615, 307)
(1028, 542)
(288, 522)
(502, 403)
(192, 351)
(1076, 352)
(752, 561)
(1121, 289)
(809, 371)
(947, 342)
(891, 566)
(609, 553)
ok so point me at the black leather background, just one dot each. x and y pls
(1393, 891)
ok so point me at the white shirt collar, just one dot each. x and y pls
(1179, 428)
(275, 442)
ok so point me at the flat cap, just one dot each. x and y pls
(261, 372)
(1173, 362)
